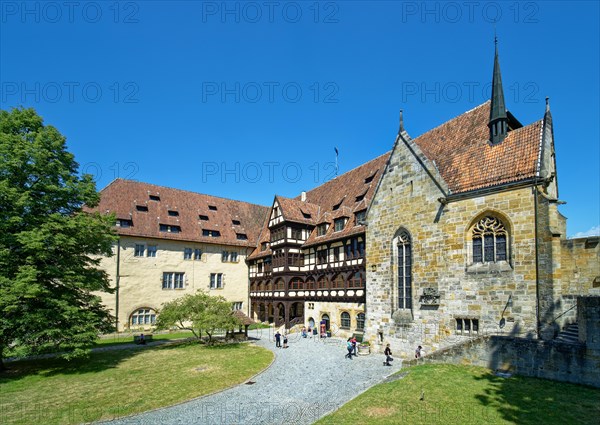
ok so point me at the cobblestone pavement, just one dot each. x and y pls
(306, 381)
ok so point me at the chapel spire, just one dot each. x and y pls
(498, 123)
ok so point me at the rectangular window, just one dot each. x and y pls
(124, 223)
(501, 248)
(203, 217)
(173, 280)
(477, 253)
(233, 256)
(467, 326)
(359, 217)
(212, 207)
(238, 305)
(154, 198)
(211, 233)
(141, 208)
(336, 253)
(139, 250)
(236, 222)
(488, 248)
(225, 256)
(187, 253)
(151, 252)
(168, 228)
(173, 213)
(297, 234)
(321, 256)
(216, 281)
(197, 254)
(321, 229)
(339, 224)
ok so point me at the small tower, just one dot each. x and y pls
(498, 123)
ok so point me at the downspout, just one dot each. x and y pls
(537, 279)
(117, 285)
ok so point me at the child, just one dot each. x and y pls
(388, 356)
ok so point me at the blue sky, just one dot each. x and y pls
(246, 100)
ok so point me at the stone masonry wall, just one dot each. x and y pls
(576, 363)
(408, 198)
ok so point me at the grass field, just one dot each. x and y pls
(121, 382)
(470, 395)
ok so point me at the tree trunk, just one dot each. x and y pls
(2, 367)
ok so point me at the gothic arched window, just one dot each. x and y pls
(489, 241)
(404, 270)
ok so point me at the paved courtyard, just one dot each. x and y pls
(306, 381)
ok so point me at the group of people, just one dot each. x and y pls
(278, 338)
(388, 354)
(351, 346)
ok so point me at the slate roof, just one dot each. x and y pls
(123, 196)
(467, 161)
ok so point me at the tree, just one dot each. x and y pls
(49, 248)
(197, 313)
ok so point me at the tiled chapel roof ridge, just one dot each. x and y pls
(123, 196)
(464, 157)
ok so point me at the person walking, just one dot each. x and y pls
(388, 355)
(349, 348)
(285, 340)
(354, 342)
(419, 352)
(278, 340)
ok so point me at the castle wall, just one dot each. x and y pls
(141, 277)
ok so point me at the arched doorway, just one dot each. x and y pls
(325, 320)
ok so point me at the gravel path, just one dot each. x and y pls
(305, 382)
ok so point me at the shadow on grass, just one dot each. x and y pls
(95, 362)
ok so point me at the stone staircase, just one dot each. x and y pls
(569, 335)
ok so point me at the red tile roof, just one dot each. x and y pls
(122, 196)
(350, 192)
(461, 151)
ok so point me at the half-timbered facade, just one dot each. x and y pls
(309, 265)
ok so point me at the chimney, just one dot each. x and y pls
(303, 196)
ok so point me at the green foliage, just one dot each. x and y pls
(49, 247)
(198, 313)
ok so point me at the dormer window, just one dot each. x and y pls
(339, 224)
(141, 208)
(124, 223)
(154, 198)
(306, 215)
(203, 217)
(236, 222)
(173, 213)
(241, 236)
(359, 217)
(322, 229)
(361, 196)
(169, 228)
(211, 233)
(370, 178)
(263, 246)
(337, 206)
(212, 207)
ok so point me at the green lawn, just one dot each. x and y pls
(119, 339)
(121, 382)
(470, 395)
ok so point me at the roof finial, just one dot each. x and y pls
(547, 104)
(498, 123)
(401, 129)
